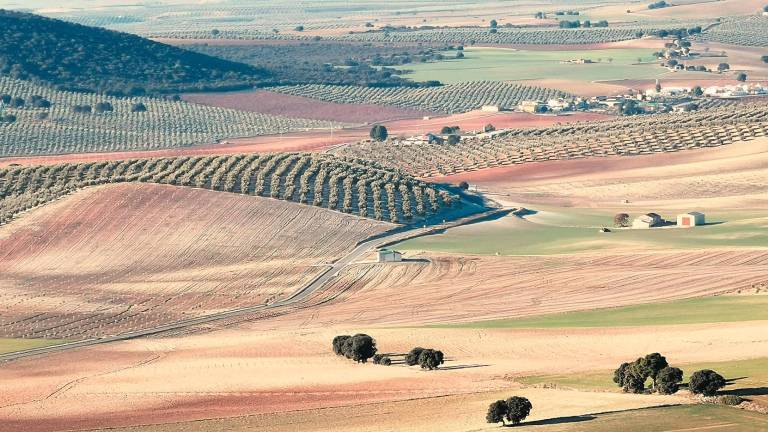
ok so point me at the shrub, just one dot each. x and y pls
(489, 128)
(103, 107)
(621, 220)
(463, 185)
(377, 358)
(731, 400)
(454, 139)
(385, 361)
(741, 77)
(706, 382)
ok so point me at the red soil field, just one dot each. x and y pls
(320, 140)
(111, 259)
(267, 102)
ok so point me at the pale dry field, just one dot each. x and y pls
(251, 372)
(732, 176)
(110, 259)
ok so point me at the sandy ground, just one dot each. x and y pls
(731, 176)
(110, 259)
(248, 371)
(320, 140)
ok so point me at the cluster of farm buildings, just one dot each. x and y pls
(653, 220)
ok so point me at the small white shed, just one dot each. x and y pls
(691, 219)
(646, 221)
(387, 255)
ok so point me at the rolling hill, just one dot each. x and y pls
(76, 57)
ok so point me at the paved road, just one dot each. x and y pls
(297, 297)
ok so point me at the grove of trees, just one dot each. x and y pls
(427, 358)
(632, 377)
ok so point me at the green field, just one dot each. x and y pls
(11, 345)
(575, 230)
(690, 311)
(501, 64)
(689, 418)
(747, 375)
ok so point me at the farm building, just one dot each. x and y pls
(532, 106)
(490, 108)
(387, 255)
(648, 220)
(691, 219)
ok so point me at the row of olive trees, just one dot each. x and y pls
(632, 377)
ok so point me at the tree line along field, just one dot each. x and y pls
(625, 136)
(448, 99)
(348, 185)
(163, 124)
(130, 256)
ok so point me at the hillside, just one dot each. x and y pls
(149, 254)
(347, 185)
(75, 57)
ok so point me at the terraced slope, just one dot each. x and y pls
(165, 124)
(626, 136)
(449, 99)
(347, 185)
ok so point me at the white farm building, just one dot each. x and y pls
(648, 220)
(691, 219)
(387, 255)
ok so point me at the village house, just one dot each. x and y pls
(648, 220)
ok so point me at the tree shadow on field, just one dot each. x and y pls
(457, 367)
(557, 420)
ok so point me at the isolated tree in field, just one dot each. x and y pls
(723, 67)
(412, 358)
(454, 139)
(741, 77)
(764, 58)
(518, 409)
(430, 359)
(621, 220)
(706, 382)
(379, 133)
(496, 412)
(489, 128)
(668, 380)
(494, 24)
(463, 185)
(338, 344)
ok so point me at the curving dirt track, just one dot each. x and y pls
(112, 259)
